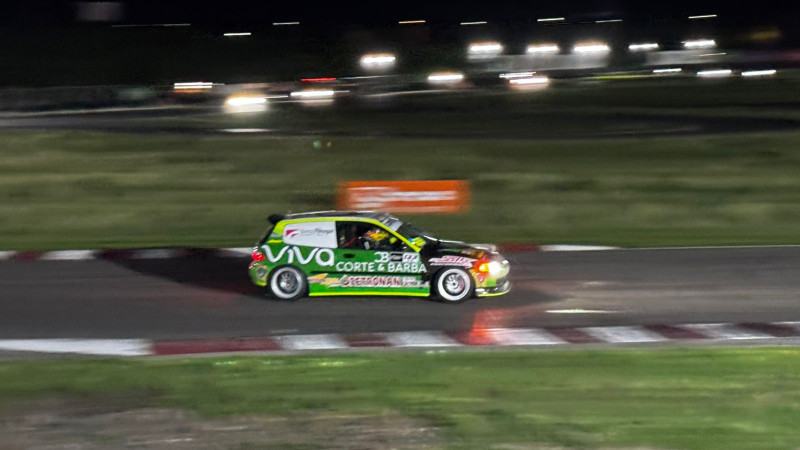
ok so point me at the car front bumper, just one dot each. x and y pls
(502, 287)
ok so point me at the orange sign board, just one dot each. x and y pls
(438, 196)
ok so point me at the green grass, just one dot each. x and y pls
(665, 398)
(80, 190)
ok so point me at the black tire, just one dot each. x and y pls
(453, 285)
(287, 283)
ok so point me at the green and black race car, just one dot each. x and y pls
(369, 253)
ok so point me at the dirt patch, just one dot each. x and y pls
(59, 424)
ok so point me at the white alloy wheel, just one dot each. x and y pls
(453, 285)
(287, 283)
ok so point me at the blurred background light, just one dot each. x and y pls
(541, 49)
(704, 16)
(313, 94)
(670, 70)
(237, 34)
(445, 77)
(408, 22)
(716, 73)
(508, 76)
(551, 19)
(192, 86)
(485, 48)
(759, 73)
(479, 22)
(529, 80)
(243, 103)
(649, 46)
(378, 61)
(591, 47)
(277, 24)
(700, 43)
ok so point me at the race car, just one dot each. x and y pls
(371, 253)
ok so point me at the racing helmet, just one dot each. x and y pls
(376, 234)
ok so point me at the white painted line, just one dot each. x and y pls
(68, 255)
(237, 251)
(623, 335)
(717, 247)
(311, 342)
(116, 347)
(523, 336)
(157, 253)
(579, 311)
(575, 248)
(726, 331)
(6, 254)
(791, 324)
(420, 339)
(245, 130)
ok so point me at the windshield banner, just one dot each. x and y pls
(437, 196)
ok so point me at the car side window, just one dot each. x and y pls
(349, 235)
(366, 236)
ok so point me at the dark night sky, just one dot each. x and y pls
(55, 12)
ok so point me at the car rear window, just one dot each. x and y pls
(265, 236)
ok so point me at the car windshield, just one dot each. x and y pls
(408, 231)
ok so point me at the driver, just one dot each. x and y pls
(349, 238)
(378, 238)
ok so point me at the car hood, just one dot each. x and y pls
(443, 247)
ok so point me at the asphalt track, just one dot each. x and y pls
(212, 297)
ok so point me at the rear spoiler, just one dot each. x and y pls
(275, 218)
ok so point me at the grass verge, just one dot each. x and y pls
(82, 190)
(743, 398)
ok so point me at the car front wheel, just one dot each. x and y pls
(287, 283)
(453, 285)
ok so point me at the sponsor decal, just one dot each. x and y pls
(294, 232)
(390, 267)
(324, 280)
(311, 234)
(452, 260)
(368, 281)
(322, 256)
(397, 257)
(410, 257)
(380, 281)
(325, 257)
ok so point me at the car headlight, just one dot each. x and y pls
(495, 268)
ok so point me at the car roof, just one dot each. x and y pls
(337, 215)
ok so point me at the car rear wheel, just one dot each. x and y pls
(287, 283)
(453, 285)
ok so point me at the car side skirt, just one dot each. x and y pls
(369, 293)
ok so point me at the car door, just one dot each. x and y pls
(364, 265)
(310, 246)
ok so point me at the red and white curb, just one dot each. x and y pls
(498, 337)
(228, 252)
